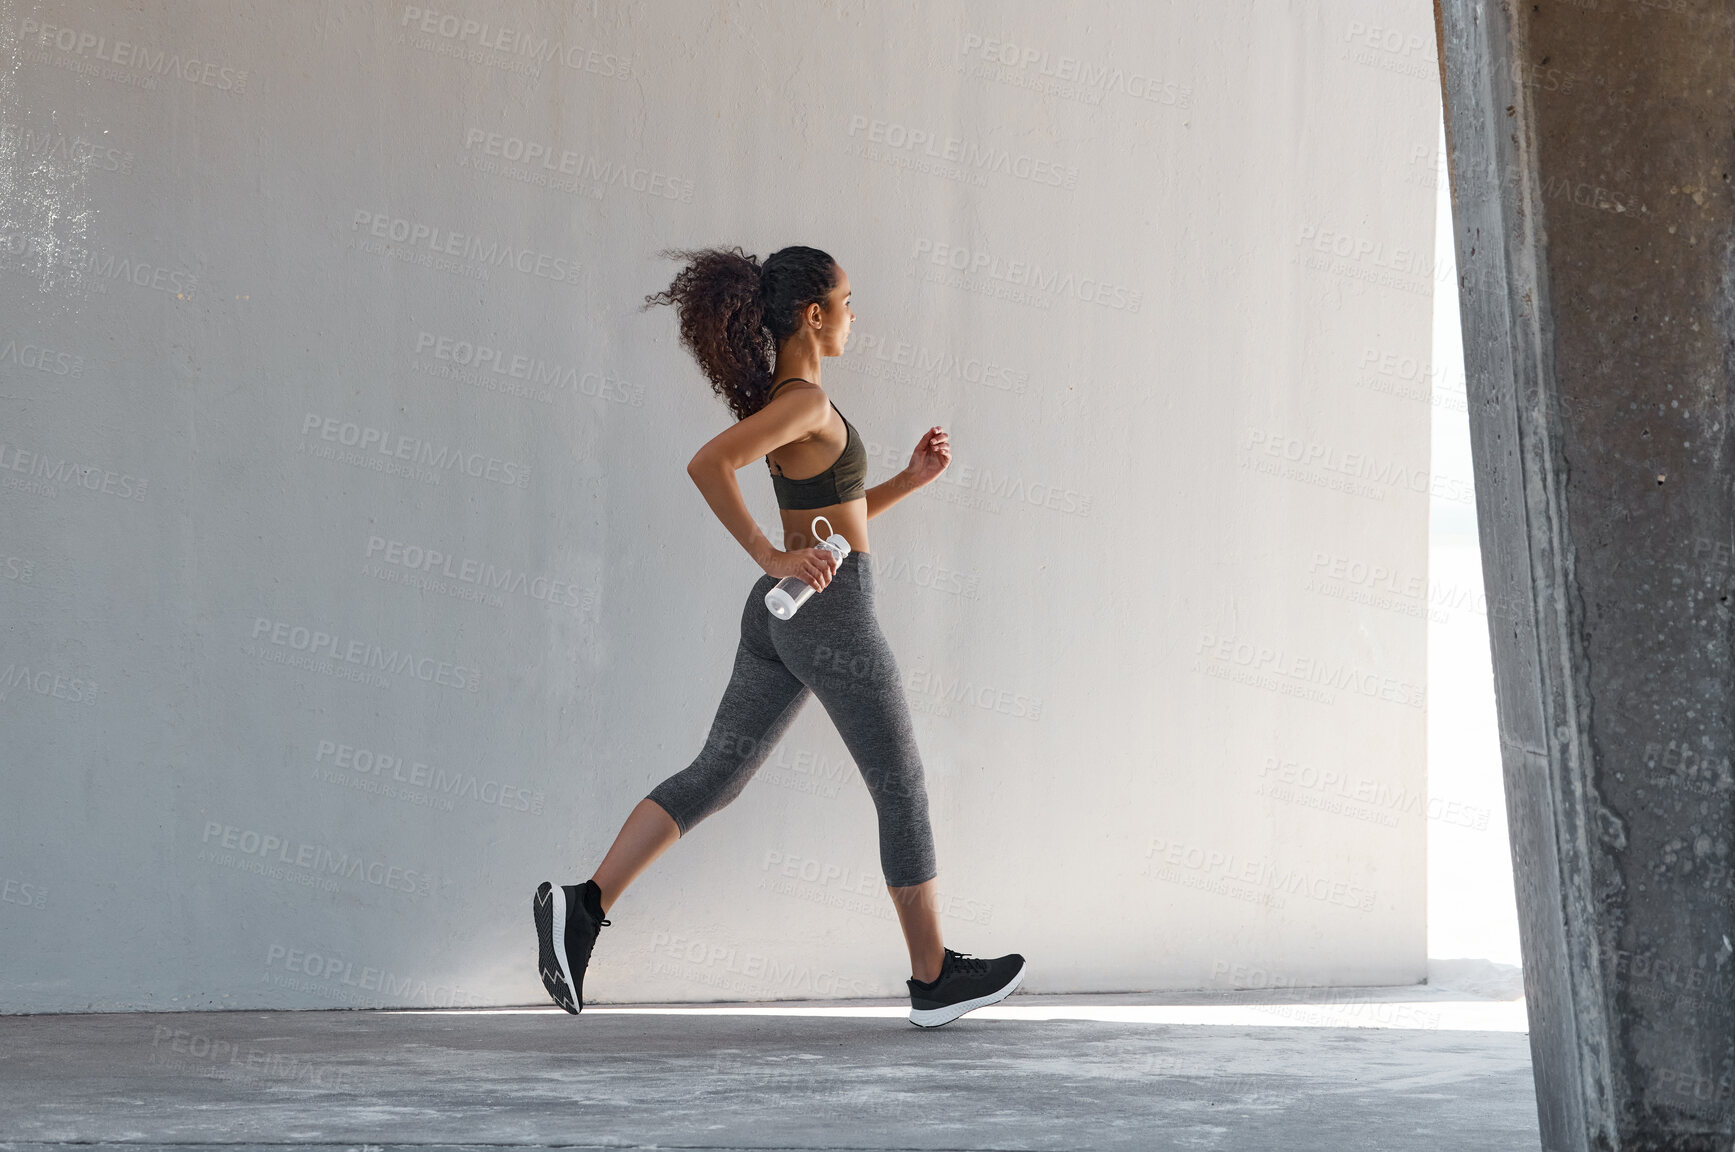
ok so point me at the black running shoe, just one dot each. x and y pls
(965, 984)
(565, 934)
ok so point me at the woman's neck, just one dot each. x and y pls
(802, 363)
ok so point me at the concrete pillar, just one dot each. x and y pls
(1592, 150)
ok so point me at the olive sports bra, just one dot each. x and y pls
(846, 479)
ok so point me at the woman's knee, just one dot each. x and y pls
(674, 816)
(672, 797)
(696, 791)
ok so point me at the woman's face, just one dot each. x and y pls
(835, 318)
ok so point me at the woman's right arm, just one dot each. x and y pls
(795, 413)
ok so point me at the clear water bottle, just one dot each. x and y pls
(792, 591)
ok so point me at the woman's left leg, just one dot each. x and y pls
(835, 646)
(647, 834)
(919, 917)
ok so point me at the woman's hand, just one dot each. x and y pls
(814, 565)
(933, 452)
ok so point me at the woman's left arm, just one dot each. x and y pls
(933, 452)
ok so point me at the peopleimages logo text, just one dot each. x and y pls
(71, 473)
(484, 358)
(453, 783)
(464, 245)
(45, 683)
(39, 359)
(1073, 72)
(319, 858)
(441, 458)
(969, 154)
(331, 646)
(585, 166)
(208, 73)
(513, 42)
(980, 265)
(400, 554)
(40, 144)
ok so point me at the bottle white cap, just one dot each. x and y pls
(833, 540)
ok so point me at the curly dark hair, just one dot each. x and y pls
(735, 311)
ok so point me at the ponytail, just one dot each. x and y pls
(734, 312)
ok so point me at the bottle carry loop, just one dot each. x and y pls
(814, 524)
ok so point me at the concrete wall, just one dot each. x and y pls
(1590, 161)
(353, 584)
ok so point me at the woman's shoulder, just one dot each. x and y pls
(793, 384)
(806, 394)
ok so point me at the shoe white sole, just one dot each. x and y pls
(934, 1017)
(549, 911)
(560, 914)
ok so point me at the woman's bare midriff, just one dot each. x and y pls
(848, 518)
(810, 457)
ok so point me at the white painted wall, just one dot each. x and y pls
(1472, 898)
(1162, 623)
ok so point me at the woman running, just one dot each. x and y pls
(759, 333)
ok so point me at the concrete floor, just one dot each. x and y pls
(1383, 1070)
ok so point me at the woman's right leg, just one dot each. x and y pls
(758, 706)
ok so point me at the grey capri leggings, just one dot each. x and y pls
(832, 648)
